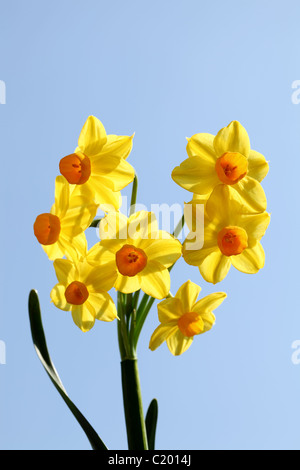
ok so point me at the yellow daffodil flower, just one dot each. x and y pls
(61, 232)
(82, 289)
(182, 317)
(231, 237)
(224, 159)
(99, 165)
(137, 252)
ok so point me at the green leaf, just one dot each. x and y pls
(95, 223)
(40, 345)
(151, 422)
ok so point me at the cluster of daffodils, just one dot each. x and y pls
(133, 254)
(224, 175)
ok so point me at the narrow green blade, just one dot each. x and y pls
(151, 422)
(40, 345)
(95, 223)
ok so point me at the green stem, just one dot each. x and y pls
(176, 234)
(125, 349)
(133, 407)
(132, 397)
(141, 317)
(179, 227)
(133, 195)
(135, 299)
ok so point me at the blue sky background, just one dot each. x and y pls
(164, 70)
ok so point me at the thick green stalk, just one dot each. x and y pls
(132, 397)
(124, 345)
(133, 407)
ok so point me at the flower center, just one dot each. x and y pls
(231, 167)
(190, 324)
(130, 260)
(232, 240)
(47, 228)
(76, 293)
(75, 169)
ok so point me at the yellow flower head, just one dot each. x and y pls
(82, 289)
(99, 165)
(231, 237)
(61, 232)
(137, 252)
(182, 317)
(224, 159)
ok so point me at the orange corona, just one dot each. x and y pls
(75, 169)
(190, 324)
(231, 167)
(76, 293)
(130, 260)
(232, 240)
(47, 228)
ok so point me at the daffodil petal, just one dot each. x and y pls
(65, 271)
(252, 194)
(209, 320)
(196, 257)
(62, 192)
(188, 294)
(108, 200)
(194, 212)
(203, 146)
(196, 174)
(53, 251)
(80, 244)
(169, 310)
(166, 251)
(178, 344)
(92, 137)
(72, 248)
(224, 205)
(215, 267)
(115, 171)
(113, 226)
(57, 295)
(209, 303)
(255, 225)
(85, 191)
(233, 138)
(101, 278)
(161, 334)
(118, 145)
(258, 167)
(142, 225)
(103, 304)
(192, 254)
(83, 316)
(127, 284)
(155, 280)
(251, 260)
(99, 255)
(78, 217)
